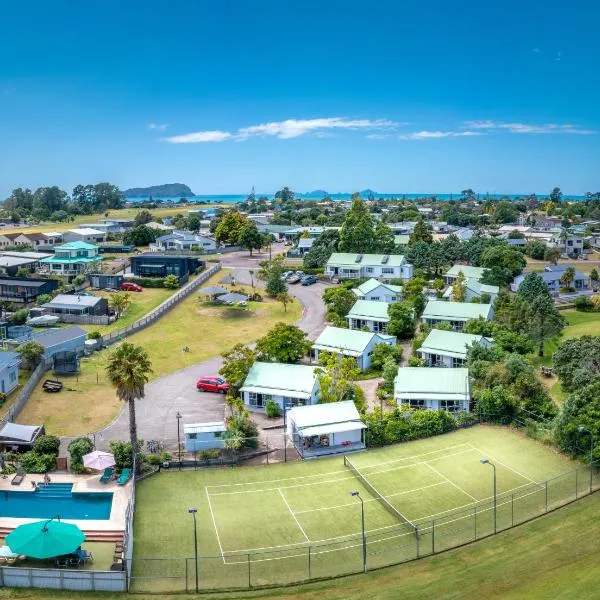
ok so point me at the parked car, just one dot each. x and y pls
(212, 384)
(286, 274)
(308, 280)
(128, 286)
(294, 278)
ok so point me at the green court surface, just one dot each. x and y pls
(284, 523)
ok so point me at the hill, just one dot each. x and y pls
(166, 190)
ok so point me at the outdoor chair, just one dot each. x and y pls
(61, 562)
(107, 475)
(74, 561)
(3, 560)
(18, 478)
(85, 556)
(11, 560)
(124, 477)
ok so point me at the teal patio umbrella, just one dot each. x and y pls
(45, 539)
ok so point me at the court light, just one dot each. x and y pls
(354, 493)
(485, 461)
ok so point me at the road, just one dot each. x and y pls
(176, 392)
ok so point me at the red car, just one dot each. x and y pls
(212, 384)
(128, 286)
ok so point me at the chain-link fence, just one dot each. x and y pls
(344, 556)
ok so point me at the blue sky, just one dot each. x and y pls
(413, 97)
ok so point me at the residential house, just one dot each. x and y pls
(552, 274)
(371, 314)
(24, 291)
(362, 266)
(449, 348)
(287, 385)
(39, 241)
(14, 436)
(304, 245)
(85, 234)
(77, 304)
(277, 231)
(160, 265)
(349, 342)
(375, 290)
(11, 261)
(506, 230)
(204, 436)
(544, 222)
(433, 388)
(468, 271)
(569, 244)
(9, 371)
(455, 313)
(184, 240)
(476, 289)
(65, 339)
(8, 239)
(72, 259)
(103, 281)
(325, 429)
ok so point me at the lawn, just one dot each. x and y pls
(273, 517)
(88, 402)
(557, 556)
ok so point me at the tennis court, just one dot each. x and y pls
(269, 523)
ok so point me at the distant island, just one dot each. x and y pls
(166, 190)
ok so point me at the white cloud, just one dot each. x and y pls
(431, 135)
(157, 126)
(378, 136)
(199, 137)
(528, 127)
(558, 56)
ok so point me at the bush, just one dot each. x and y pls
(153, 459)
(94, 335)
(32, 462)
(46, 444)
(209, 454)
(149, 282)
(19, 317)
(79, 280)
(583, 304)
(122, 453)
(77, 448)
(171, 282)
(272, 409)
(415, 361)
(497, 405)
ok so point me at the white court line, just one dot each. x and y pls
(483, 454)
(294, 516)
(389, 462)
(451, 482)
(423, 462)
(214, 524)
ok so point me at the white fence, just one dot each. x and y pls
(64, 579)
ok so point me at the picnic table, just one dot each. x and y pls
(547, 371)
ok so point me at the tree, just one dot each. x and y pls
(230, 228)
(120, 301)
(421, 233)
(23, 273)
(556, 195)
(459, 288)
(285, 299)
(532, 287)
(140, 236)
(275, 285)
(594, 278)
(285, 195)
(250, 238)
(171, 282)
(357, 233)
(128, 369)
(552, 255)
(321, 250)
(143, 217)
(193, 223)
(339, 300)
(31, 353)
(381, 352)
(505, 212)
(503, 264)
(546, 322)
(283, 343)
(577, 362)
(237, 363)
(468, 194)
(402, 320)
(384, 238)
(77, 449)
(337, 377)
(497, 405)
(536, 249)
(567, 277)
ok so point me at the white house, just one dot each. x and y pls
(84, 234)
(468, 271)
(356, 344)
(204, 436)
(358, 266)
(325, 429)
(369, 313)
(184, 240)
(378, 291)
(287, 385)
(448, 348)
(455, 313)
(475, 289)
(9, 371)
(433, 388)
(569, 244)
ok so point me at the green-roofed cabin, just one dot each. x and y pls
(449, 348)
(378, 291)
(370, 314)
(455, 313)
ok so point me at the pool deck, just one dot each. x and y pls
(81, 483)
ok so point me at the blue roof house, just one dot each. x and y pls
(9, 371)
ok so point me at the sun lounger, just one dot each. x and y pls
(18, 478)
(124, 477)
(107, 475)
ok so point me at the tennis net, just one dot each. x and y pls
(378, 496)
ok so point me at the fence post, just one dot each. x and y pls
(309, 565)
(475, 522)
(546, 494)
(186, 575)
(576, 483)
(433, 536)
(249, 576)
(512, 510)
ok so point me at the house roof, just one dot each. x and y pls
(372, 284)
(86, 231)
(160, 226)
(212, 427)
(21, 433)
(330, 413)
(439, 309)
(449, 343)
(71, 300)
(421, 383)
(550, 276)
(281, 379)
(351, 341)
(22, 282)
(13, 261)
(358, 260)
(9, 358)
(467, 270)
(402, 239)
(305, 242)
(53, 337)
(76, 245)
(369, 309)
(34, 255)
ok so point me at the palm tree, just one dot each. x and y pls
(128, 368)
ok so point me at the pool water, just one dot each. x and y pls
(55, 499)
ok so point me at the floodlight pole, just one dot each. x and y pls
(285, 409)
(364, 537)
(486, 461)
(193, 512)
(178, 417)
(582, 429)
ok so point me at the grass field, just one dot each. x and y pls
(270, 516)
(88, 401)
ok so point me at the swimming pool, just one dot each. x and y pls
(56, 499)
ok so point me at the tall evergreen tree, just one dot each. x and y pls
(384, 238)
(421, 233)
(357, 233)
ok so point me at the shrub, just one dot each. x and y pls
(272, 409)
(46, 444)
(77, 448)
(415, 361)
(122, 453)
(209, 454)
(497, 405)
(32, 462)
(79, 280)
(583, 304)
(153, 459)
(19, 317)
(94, 335)
(171, 282)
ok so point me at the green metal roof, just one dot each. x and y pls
(372, 284)
(449, 343)
(370, 310)
(350, 260)
(351, 340)
(280, 379)
(428, 382)
(467, 270)
(460, 311)
(401, 239)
